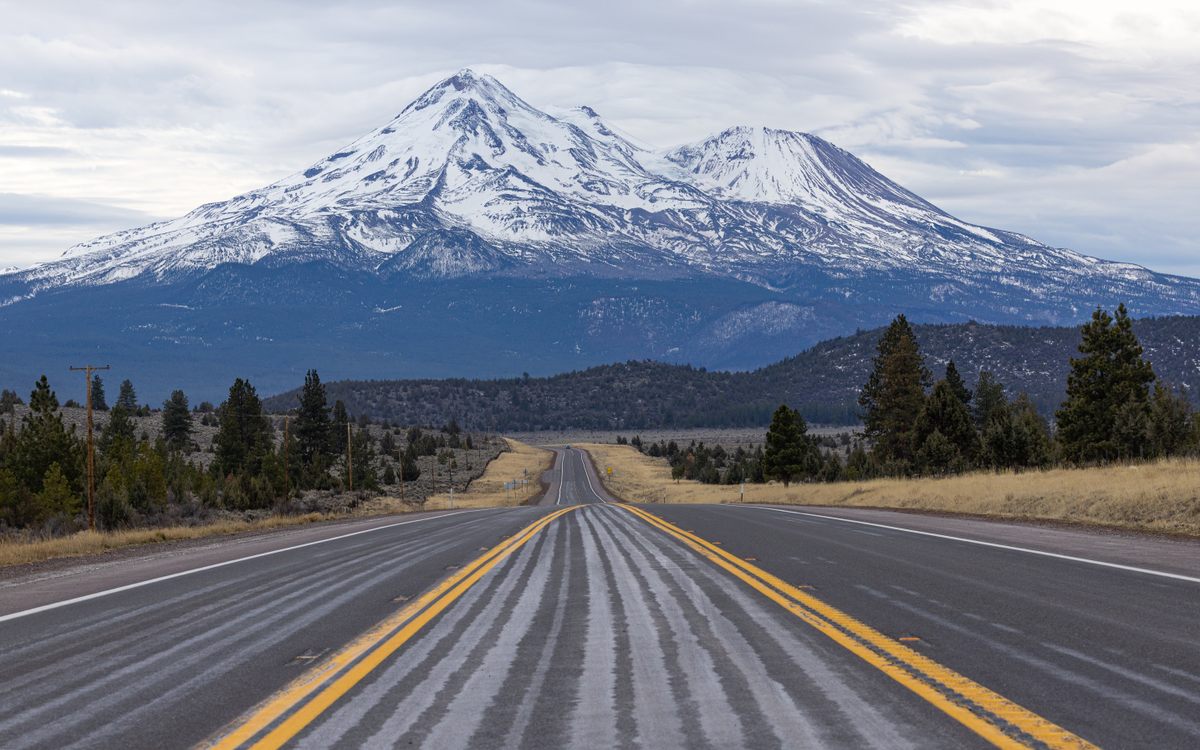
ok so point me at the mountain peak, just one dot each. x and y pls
(466, 83)
(471, 180)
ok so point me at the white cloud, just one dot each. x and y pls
(1072, 122)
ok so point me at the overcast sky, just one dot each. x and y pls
(1077, 123)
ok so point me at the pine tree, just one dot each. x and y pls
(1108, 392)
(127, 397)
(56, 498)
(1170, 423)
(410, 471)
(790, 454)
(858, 464)
(43, 441)
(1017, 437)
(945, 415)
(8, 400)
(177, 421)
(363, 461)
(990, 400)
(117, 435)
(938, 455)
(99, 403)
(244, 435)
(312, 424)
(389, 475)
(147, 483)
(894, 394)
(957, 386)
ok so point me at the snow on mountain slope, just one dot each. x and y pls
(469, 179)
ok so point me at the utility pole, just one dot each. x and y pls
(87, 370)
(349, 458)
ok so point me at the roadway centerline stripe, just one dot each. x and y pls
(214, 566)
(996, 545)
(940, 686)
(308, 696)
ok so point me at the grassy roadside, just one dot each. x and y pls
(1161, 497)
(519, 461)
(487, 490)
(93, 542)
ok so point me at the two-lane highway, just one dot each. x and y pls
(573, 480)
(589, 623)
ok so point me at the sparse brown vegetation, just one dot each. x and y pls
(18, 552)
(520, 461)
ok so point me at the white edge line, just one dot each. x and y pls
(587, 476)
(139, 584)
(997, 545)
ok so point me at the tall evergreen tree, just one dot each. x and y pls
(409, 470)
(177, 421)
(363, 461)
(956, 384)
(244, 435)
(57, 498)
(1108, 392)
(117, 435)
(894, 393)
(127, 397)
(945, 415)
(790, 454)
(1170, 423)
(43, 441)
(313, 437)
(99, 402)
(1017, 437)
(8, 400)
(990, 400)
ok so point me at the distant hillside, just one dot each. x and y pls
(823, 382)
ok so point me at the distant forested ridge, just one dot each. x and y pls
(822, 382)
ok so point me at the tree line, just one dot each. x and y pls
(1116, 409)
(822, 383)
(256, 461)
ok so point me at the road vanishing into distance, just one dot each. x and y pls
(583, 622)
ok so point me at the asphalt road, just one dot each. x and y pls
(582, 623)
(573, 481)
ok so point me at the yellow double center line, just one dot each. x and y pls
(284, 715)
(988, 714)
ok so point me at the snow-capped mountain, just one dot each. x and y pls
(470, 183)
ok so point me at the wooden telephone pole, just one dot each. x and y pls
(87, 370)
(349, 458)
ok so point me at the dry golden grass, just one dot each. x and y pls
(1163, 496)
(92, 542)
(488, 490)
